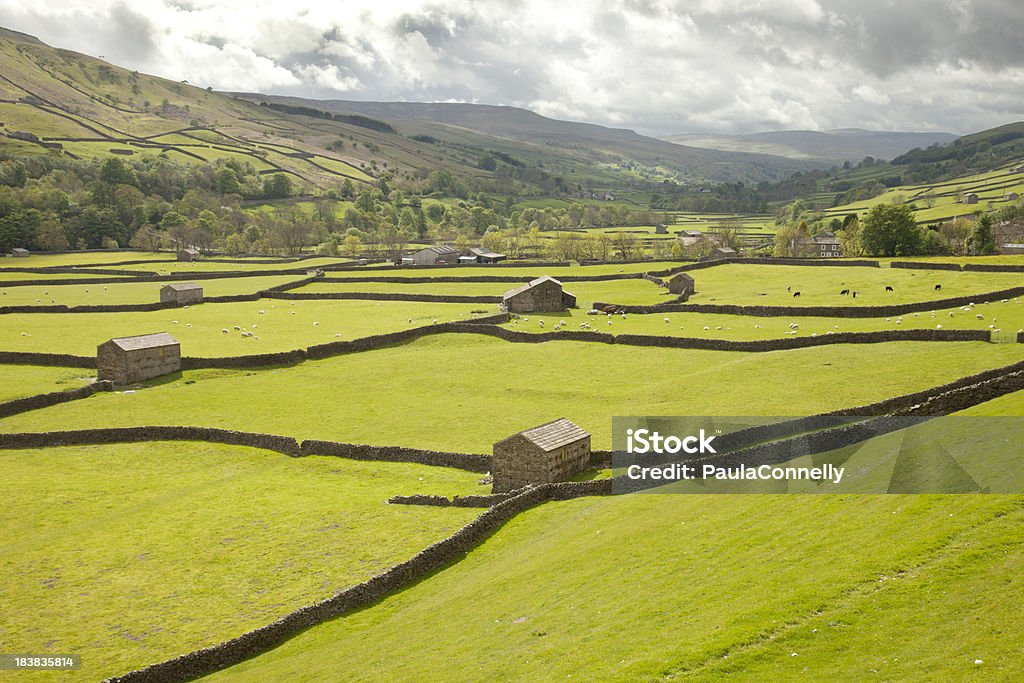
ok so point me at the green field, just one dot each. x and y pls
(282, 326)
(821, 285)
(580, 381)
(129, 292)
(189, 543)
(19, 381)
(791, 585)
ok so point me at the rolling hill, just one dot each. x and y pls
(521, 132)
(844, 144)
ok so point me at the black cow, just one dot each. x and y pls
(938, 287)
(844, 292)
(796, 294)
(888, 288)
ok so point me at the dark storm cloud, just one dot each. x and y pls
(659, 66)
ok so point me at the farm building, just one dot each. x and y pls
(825, 245)
(1011, 196)
(969, 198)
(719, 253)
(18, 252)
(126, 360)
(680, 284)
(440, 255)
(188, 255)
(182, 293)
(477, 255)
(543, 294)
(551, 452)
(1011, 249)
(661, 229)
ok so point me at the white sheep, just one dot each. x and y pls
(316, 324)
(667, 321)
(225, 331)
(541, 323)
(237, 328)
(757, 327)
(979, 316)
(261, 312)
(938, 327)
(719, 327)
(174, 322)
(706, 327)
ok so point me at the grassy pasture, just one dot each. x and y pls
(190, 544)
(128, 292)
(19, 381)
(1008, 317)
(640, 292)
(447, 380)
(793, 585)
(79, 258)
(820, 285)
(524, 271)
(219, 267)
(281, 327)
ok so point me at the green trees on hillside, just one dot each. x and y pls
(890, 230)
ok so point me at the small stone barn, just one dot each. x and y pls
(188, 255)
(551, 452)
(543, 294)
(680, 284)
(1011, 196)
(18, 252)
(969, 198)
(126, 360)
(181, 293)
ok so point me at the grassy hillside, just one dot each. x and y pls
(586, 151)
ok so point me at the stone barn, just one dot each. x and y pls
(719, 253)
(188, 255)
(543, 294)
(969, 198)
(127, 360)
(1011, 196)
(181, 294)
(551, 452)
(18, 252)
(680, 284)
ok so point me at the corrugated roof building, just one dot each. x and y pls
(127, 360)
(551, 452)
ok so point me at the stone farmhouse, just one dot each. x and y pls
(824, 245)
(549, 453)
(543, 294)
(439, 255)
(127, 360)
(181, 293)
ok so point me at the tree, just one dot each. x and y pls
(890, 230)
(352, 245)
(227, 182)
(981, 241)
(277, 186)
(850, 238)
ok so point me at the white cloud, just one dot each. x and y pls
(656, 65)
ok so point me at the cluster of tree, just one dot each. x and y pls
(351, 119)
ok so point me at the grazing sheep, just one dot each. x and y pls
(719, 327)
(542, 323)
(706, 327)
(247, 334)
(237, 327)
(224, 331)
(951, 314)
(435, 320)
(337, 334)
(188, 324)
(261, 312)
(938, 327)
(979, 316)
(174, 322)
(316, 324)
(667, 321)
(293, 312)
(609, 323)
(916, 314)
(757, 327)
(24, 334)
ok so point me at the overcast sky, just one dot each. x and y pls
(658, 67)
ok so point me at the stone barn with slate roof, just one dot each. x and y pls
(680, 284)
(18, 252)
(440, 255)
(181, 293)
(188, 255)
(127, 360)
(551, 452)
(543, 294)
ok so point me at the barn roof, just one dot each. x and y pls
(485, 253)
(530, 285)
(555, 434)
(683, 276)
(144, 341)
(182, 286)
(441, 249)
